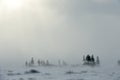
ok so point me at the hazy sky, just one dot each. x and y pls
(59, 29)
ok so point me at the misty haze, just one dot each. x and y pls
(59, 39)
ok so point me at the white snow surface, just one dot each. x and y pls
(63, 73)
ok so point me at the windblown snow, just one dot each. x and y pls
(80, 72)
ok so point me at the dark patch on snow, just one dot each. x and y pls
(32, 71)
(70, 72)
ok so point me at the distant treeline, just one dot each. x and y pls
(87, 60)
(32, 63)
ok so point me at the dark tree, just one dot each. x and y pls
(47, 62)
(97, 60)
(39, 62)
(32, 61)
(92, 58)
(88, 58)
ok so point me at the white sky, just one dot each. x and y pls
(59, 29)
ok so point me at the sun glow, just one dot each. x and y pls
(12, 4)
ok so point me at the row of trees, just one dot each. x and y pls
(90, 59)
(39, 62)
(86, 59)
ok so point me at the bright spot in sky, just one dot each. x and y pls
(12, 4)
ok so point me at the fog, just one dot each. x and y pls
(60, 29)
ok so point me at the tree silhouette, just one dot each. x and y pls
(88, 58)
(32, 61)
(92, 58)
(39, 62)
(97, 60)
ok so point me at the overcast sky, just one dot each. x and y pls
(60, 29)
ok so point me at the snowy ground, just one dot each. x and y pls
(64, 73)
